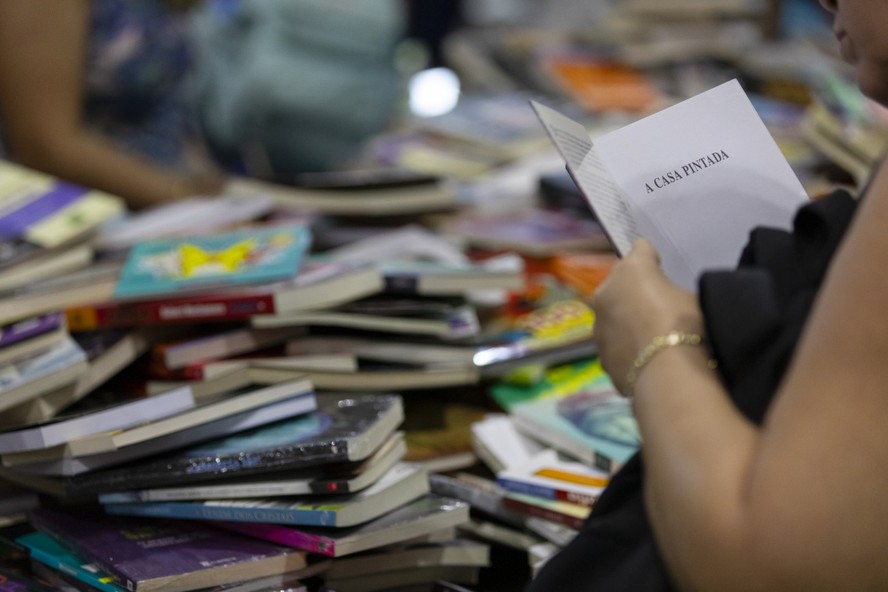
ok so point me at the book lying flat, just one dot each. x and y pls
(596, 427)
(59, 560)
(41, 373)
(425, 515)
(411, 556)
(248, 256)
(115, 417)
(111, 440)
(402, 484)
(342, 429)
(547, 476)
(165, 556)
(694, 179)
(65, 477)
(42, 212)
(368, 200)
(317, 285)
(337, 478)
(439, 319)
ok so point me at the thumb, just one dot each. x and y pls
(643, 251)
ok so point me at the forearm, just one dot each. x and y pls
(94, 161)
(698, 453)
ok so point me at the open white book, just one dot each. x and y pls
(694, 179)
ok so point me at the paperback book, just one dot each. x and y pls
(317, 285)
(427, 514)
(41, 373)
(596, 427)
(60, 566)
(327, 479)
(167, 556)
(141, 434)
(42, 212)
(342, 429)
(548, 476)
(402, 484)
(249, 256)
(116, 417)
(691, 195)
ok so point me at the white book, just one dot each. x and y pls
(112, 440)
(115, 417)
(694, 179)
(44, 372)
(45, 471)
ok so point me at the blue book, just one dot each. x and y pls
(401, 485)
(595, 426)
(253, 255)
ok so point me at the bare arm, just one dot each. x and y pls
(799, 503)
(42, 51)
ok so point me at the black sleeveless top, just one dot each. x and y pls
(754, 316)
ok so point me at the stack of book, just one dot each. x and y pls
(323, 485)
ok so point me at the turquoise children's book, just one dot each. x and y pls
(252, 255)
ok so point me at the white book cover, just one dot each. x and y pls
(113, 417)
(694, 179)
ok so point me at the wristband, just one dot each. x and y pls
(658, 344)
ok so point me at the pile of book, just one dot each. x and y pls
(218, 397)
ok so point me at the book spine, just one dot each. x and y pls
(285, 536)
(28, 328)
(131, 314)
(552, 493)
(544, 513)
(526, 488)
(199, 511)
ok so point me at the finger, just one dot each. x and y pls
(643, 250)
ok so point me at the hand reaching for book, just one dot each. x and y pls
(634, 307)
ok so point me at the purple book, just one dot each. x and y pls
(28, 328)
(146, 555)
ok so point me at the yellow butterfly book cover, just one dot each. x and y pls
(253, 255)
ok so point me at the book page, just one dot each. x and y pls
(699, 176)
(591, 176)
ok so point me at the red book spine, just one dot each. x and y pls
(110, 315)
(574, 522)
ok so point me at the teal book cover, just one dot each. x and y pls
(252, 255)
(595, 426)
(48, 551)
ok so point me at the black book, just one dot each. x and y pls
(342, 429)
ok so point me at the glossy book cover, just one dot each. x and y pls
(340, 430)
(249, 256)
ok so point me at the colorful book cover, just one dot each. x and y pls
(145, 555)
(317, 285)
(340, 430)
(560, 512)
(41, 212)
(401, 485)
(557, 381)
(427, 514)
(593, 426)
(28, 328)
(47, 550)
(547, 476)
(249, 256)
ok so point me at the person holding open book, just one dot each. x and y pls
(761, 400)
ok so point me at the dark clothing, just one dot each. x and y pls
(754, 316)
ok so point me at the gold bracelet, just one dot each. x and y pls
(658, 344)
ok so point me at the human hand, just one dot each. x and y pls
(635, 304)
